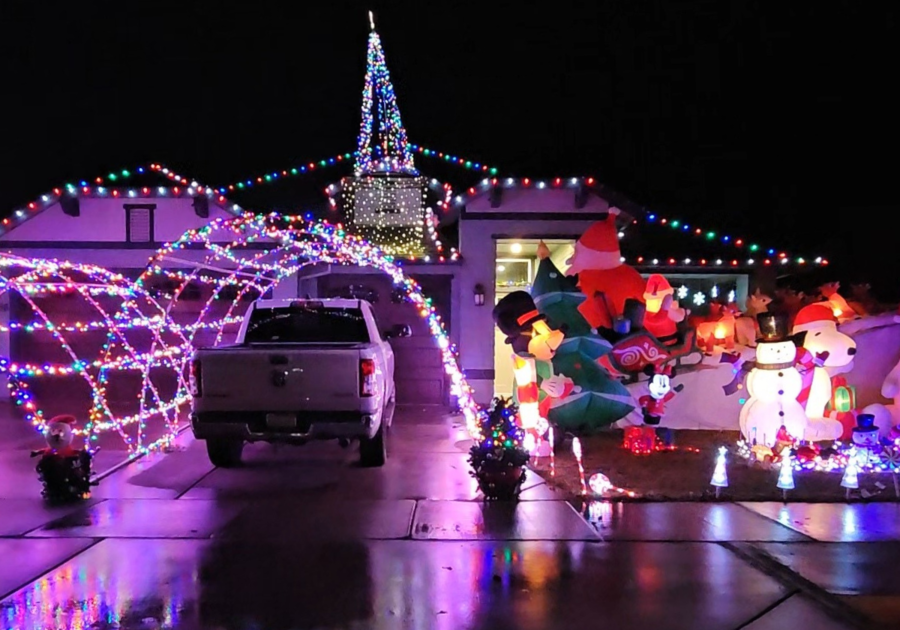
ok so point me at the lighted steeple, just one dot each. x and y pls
(382, 145)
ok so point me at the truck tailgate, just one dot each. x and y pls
(301, 377)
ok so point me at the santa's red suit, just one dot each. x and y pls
(602, 277)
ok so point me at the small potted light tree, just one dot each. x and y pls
(498, 460)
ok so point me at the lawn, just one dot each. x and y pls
(684, 474)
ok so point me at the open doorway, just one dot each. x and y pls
(516, 262)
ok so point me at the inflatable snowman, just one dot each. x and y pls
(773, 386)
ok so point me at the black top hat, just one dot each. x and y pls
(772, 327)
(515, 314)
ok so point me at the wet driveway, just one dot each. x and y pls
(303, 538)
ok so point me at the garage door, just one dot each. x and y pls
(419, 372)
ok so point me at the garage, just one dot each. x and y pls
(419, 372)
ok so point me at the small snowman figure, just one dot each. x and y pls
(773, 386)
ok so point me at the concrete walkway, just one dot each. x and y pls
(304, 538)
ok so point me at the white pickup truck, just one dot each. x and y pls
(301, 370)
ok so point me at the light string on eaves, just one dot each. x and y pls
(756, 254)
(275, 176)
(456, 160)
(135, 338)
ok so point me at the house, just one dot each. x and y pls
(118, 228)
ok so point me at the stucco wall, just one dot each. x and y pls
(103, 219)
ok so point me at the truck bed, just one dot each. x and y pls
(315, 376)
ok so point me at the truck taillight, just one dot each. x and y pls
(196, 387)
(366, 377)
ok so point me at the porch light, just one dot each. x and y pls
(479, 295)
(516, 248)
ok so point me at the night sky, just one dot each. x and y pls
(773, 121)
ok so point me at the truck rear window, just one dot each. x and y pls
(307, 325)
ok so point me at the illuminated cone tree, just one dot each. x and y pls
(385, 199)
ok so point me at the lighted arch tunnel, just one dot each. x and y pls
(90, 353)
(236, 260)
(129, 343)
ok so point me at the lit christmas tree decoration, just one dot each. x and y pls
(385, 201)
(720, 474)
(786, 472)
(392, 153)
(850, 480)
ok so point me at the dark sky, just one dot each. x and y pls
(773, 120)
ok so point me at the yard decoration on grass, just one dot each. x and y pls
(786, 473)
(850, 480)
(720, 474)
(594, 399)
(533, 343)
(498, 460)
(600, 485)
(576, 450)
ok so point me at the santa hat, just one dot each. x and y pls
(598, 247)
(658, 286)
(63, 419)
(814, 313)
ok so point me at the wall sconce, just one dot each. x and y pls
(479, 295)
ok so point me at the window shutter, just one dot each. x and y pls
(140, 225)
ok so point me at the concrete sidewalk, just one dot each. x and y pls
(304, 538)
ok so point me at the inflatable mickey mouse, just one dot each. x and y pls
(661, 391)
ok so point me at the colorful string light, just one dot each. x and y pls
(275, 176)
(390, 152)
(833, 459)
(458, 161)
(287, 243)
(759, 255)
(291, 243)
(767, 256)
(34, 279)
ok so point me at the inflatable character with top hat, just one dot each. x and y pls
(773, 386)
(532, 340)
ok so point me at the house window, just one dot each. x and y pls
(139, 222)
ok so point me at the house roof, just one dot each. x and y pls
(175, 186)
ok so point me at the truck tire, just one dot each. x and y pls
(225, 453)
(373, 451)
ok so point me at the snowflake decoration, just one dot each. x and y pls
(699, 299)
(714, 292)
(731, 296)
(683, 292)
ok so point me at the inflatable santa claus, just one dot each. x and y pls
(608, 284)
(663, 313)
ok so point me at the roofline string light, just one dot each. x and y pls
(768, 256)
(274, 176)
(456, 160)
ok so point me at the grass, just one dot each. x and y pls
(684, 474)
